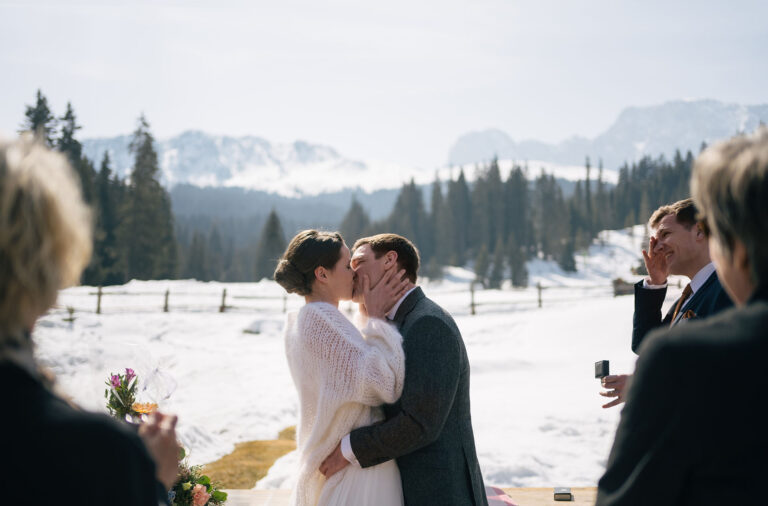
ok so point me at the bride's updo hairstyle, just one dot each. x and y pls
(307, 251)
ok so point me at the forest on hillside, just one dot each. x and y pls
(494, 224)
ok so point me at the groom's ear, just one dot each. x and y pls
(390, 259)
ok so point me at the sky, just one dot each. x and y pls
(395, 81)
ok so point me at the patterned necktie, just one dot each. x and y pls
(687, 291)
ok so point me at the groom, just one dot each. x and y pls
(429, 429)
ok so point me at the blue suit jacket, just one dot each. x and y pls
(708, 300)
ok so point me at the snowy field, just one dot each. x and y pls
(536, 410)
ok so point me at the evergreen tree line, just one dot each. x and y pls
(494, 224)
(133, 229)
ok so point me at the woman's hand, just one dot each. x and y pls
(380, 299)
(159, 436)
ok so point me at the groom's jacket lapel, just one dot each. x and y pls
(407, 306)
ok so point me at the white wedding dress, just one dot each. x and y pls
(342, 374)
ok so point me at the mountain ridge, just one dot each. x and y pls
(637, 131)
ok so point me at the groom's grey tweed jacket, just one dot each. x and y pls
(429, 429)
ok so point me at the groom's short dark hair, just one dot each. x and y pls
(407, 253)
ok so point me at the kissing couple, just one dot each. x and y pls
(384, 402)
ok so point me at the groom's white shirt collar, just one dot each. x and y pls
(392, 312)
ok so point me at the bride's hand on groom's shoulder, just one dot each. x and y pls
(378, 300)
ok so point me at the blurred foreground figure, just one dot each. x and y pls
(693, 429)
(52, 452)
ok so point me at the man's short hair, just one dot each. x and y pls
(684, 212)
(407, 253)
(730, 185)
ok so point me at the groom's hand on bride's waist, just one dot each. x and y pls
(334, 462)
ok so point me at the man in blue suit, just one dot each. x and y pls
(678, 246)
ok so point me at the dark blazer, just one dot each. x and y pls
(429, 429)
(708, 300)
(51, 453)
(694, 427)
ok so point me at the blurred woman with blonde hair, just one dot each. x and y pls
(52, 452)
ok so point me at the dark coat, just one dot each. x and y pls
(429, 429)
(51, 453)
(708, 300)
(694, 427)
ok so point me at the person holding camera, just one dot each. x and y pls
(693, 429)
(678, 246)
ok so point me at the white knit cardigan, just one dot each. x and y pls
(340, 376)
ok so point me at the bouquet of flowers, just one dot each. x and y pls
(193, 488)
(121, 397)
(121, 394)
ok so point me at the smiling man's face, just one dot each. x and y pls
(678, 244)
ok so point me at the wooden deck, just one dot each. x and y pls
(522, 496)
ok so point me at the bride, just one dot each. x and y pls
(341, 373)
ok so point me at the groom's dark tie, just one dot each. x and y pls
(687, 291)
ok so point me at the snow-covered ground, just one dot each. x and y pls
(535, 405)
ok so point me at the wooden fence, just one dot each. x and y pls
(240, 301)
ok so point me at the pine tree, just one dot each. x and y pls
(215, 249)
(440, 225)
(497, 269)
(516, 261)
(354, 223)
(600, 204)
(483, 227)
(566, 259)
(460, 211)
(40, 120)
(71, 147)
(481, 266)
(409, 219)
(517, 207)
(271, 247)
(197, 259)
(146, 232)
(108, 195)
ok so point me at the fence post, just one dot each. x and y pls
(538, 288)
(98, 301)
(165, 306)
(285, 303)
(472, 298)
(223, 301)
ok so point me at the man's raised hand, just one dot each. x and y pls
(655, 263)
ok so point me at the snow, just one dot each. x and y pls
(535, 406)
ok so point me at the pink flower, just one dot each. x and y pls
(129, 375)
(115, 380)
(200, 495)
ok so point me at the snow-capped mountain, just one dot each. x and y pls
(301, 169)
(638, 131)
(291, 170)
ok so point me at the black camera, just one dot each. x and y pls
(601, 369)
